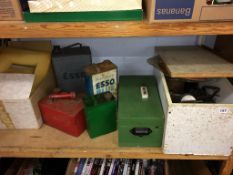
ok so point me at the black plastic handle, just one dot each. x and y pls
(140, 132)
(72, 45)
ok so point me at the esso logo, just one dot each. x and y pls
(73, 75)
(105, 83)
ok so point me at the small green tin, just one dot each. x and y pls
(100, 113)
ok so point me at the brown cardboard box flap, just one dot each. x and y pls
(10, 10)
(219, 12)
(194, 62)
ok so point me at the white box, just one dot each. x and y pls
(40, 6)
(18, 106)
(199, 129)
(196, 128)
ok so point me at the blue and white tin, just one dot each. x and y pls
(101, 78)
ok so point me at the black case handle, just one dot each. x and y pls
(140, 132)
(72, 45)
(58, 49)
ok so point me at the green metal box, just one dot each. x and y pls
(100, 111)
(140, 116)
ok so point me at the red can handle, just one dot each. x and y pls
(63, 95)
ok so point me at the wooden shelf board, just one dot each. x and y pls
(21, 29)
(49, 142)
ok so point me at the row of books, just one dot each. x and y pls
(91, 166)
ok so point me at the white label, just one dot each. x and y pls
(223, 110)
(144, 92)
(105, 82)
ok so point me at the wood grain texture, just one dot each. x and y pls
(227, 166)
(183, 167)
(111, 29)
(49, 142)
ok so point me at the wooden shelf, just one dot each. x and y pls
(49, 142)
(21, 29)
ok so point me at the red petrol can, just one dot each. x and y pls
(66, 115)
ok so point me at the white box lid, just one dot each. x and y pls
(193, 62)
(38, 6)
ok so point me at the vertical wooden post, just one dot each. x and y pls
(227, 166)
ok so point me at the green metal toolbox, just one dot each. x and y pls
(100, 113)
(140, 114)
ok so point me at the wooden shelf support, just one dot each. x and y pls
(227, 166)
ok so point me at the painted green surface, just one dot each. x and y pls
(133, 111)
(100, 115)
(124, 15)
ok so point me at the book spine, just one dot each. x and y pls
(85, 167)
(125, 167)
(80, 169)
(121, 167)
(111, 167)
(137, 168)
(129, 167)
(107, 166)
(141, 168)
(76, 166)
(133, 166)
(102, 167)
(115, 167)
(89, 166)
(95, 167)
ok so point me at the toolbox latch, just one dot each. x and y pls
(140, 132)
(144, 92)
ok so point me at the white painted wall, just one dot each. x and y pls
(129, 54)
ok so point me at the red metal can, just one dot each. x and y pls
(66, 115)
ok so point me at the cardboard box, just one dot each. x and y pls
(18, 107)
(10, 10)
(186, 11)
(13, 59)
(19, 97)
(216, 12)
(41, 6)
(197, 128)
(43, 45)
(172, 11)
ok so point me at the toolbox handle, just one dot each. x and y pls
(62, 95)
(140, 132)
(72, 45)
